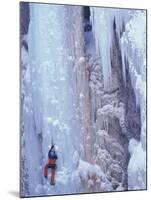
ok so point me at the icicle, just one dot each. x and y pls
(102, 34)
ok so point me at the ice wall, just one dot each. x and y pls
(120, 43)
(133, 44)
(49, 95)
(105, 22)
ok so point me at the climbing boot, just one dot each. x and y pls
(52, 183)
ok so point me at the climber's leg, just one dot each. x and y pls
(46, 170)
(53, 176)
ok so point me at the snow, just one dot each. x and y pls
(92, 174)
(135, 33)
(113, 110)
(137, 165)
(101, 132)
(81, 95)
(81, 59)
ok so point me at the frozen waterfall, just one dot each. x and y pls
(83, 88)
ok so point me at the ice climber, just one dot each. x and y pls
(52, 157)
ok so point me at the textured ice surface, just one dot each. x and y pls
(69, 98)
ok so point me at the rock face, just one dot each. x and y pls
(24, 24)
